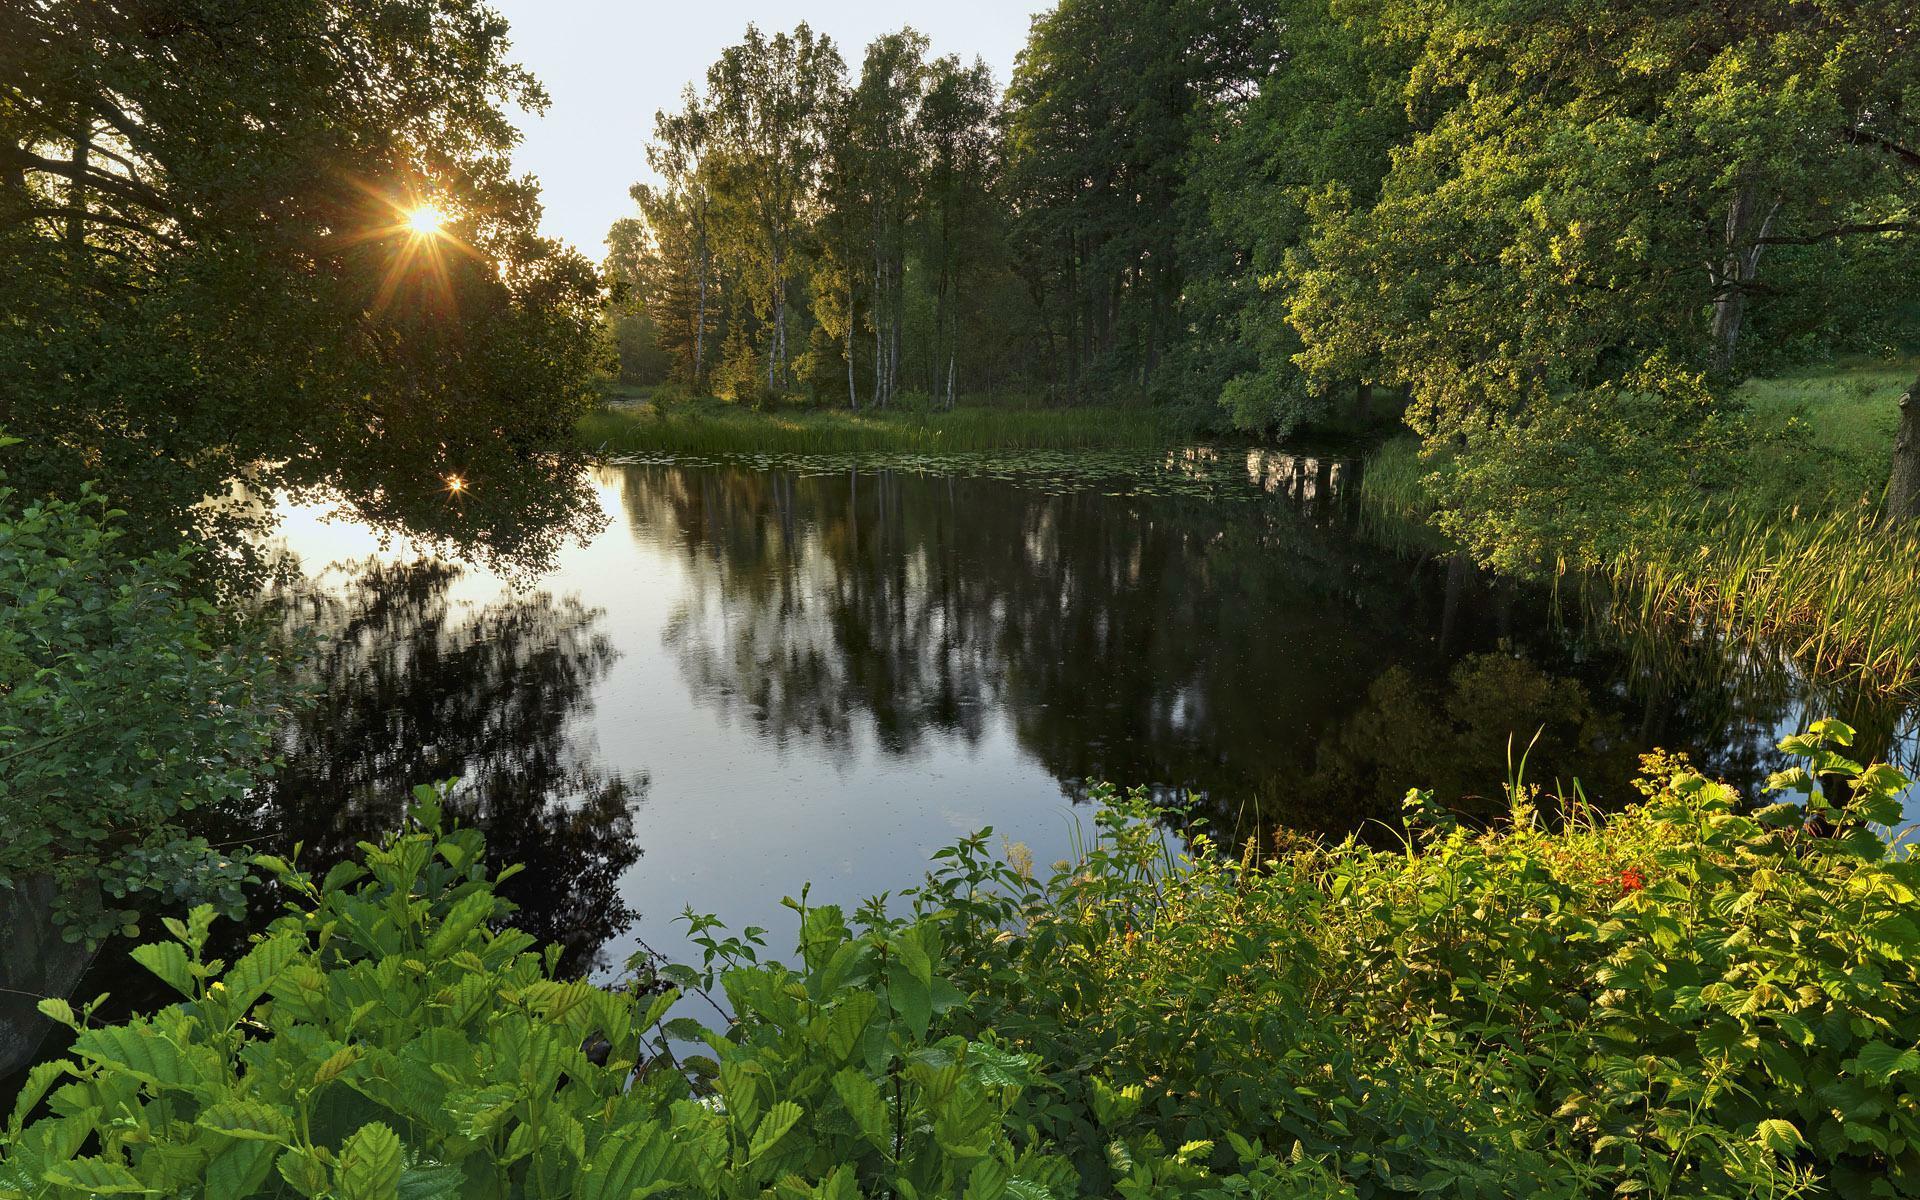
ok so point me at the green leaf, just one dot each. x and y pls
(988, 1181)
(370, 1164)
(168, 960)
(1781, 1137)
(1880, 1062)
(237, 1171)
(773, 1127)
(907, 946)
(35, 1086)
(141, 1051)
(912, 999)
(255, 972)
(627, 1165)
(98, 1177)
(303, 1171)
(467, 915)
(861, 1096)
(441, 1182)
(249, 1119)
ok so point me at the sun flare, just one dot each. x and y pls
(426, 220)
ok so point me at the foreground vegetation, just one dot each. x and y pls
(662, 421)
(1690, 998)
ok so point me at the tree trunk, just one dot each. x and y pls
(77, 187)
(853, 394)
(1739, 262)
(700, 322)
(879, 335)
(1903, 485)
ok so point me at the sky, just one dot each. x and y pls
(609, 65)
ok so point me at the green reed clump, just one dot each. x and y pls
(1393, 480)
(1834, 589)
(1692, 998)
(711, 428)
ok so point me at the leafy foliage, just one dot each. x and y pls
(211, 203)
(1691, 998)
(124, 702)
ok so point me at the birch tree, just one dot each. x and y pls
(767, 103)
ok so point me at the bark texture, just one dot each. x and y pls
(1903, 485)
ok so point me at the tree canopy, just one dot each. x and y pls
(1517, 221)
(280, 246)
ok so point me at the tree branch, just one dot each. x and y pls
(1825, 235)
(1862, 137)
(106, 218)
(125, 186)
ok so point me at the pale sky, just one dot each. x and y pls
(608, 65)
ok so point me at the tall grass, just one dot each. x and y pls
(717, 429)
(1833, 589)
(1393, 480)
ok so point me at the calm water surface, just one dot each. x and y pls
(752, 679)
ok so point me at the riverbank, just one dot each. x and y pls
(654, 421)
(1791, 555)
(1515, 1011)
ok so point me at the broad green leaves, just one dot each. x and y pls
(1681, 999)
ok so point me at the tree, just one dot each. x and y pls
(1642, 198)
(213, 208)
(1322, 122)
(123, 707)
(1105, 103)
(881, 127)
(958, 127)
(766, 99)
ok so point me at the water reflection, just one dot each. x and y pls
(416, 686)
(1261, 654)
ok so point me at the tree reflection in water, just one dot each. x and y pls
(1267, 655)
(416, 687)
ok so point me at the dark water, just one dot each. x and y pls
(751, 679)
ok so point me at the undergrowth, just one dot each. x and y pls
(1691, 998)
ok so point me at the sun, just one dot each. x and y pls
(426, 220)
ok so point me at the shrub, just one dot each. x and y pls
(1687, 999)
(118, 714)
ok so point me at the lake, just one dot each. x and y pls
(755, 677)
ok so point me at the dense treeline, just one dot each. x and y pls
(1518, 220)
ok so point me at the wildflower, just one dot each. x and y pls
(1631, 880)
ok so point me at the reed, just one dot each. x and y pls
(1832, 589)
(1822, 585)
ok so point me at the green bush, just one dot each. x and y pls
(118, 714)
(1691, 998)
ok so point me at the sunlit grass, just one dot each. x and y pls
(1834, 590)
(709, 427)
